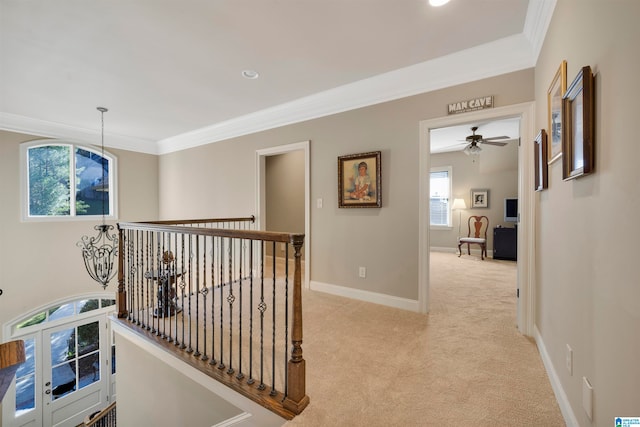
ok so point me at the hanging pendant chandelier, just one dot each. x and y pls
(99, 252)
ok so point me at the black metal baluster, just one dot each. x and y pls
(251, 380)
(262, 307)
(240, 374)
(190, 293)
(175, 293)
(213, 301)
(204, 292)
(196, 295)
(158, 265)
(273, 326)
(183, 285)
(230, 299)
(149, 285)
(221, 255)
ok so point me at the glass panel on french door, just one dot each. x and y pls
(75, 359)
(26, 379)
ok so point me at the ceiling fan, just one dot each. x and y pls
(474, 139)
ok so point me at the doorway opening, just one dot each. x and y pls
(524, 112)
(265, 180)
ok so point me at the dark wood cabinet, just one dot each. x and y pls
(505, 243)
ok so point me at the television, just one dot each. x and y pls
(511, 209)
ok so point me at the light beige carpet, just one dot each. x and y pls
(464, 363)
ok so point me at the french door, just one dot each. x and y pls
(67, 376)
(73, 366)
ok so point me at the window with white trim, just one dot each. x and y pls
(440, 196)
(66, 180)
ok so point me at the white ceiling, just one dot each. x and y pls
(170, 71)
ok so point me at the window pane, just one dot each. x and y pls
(61, 311)
(108, 302)
(87, 305)
(89, 369)
(63, 346)
(88, 338)
(38, 318)
(49, 180)
(64, 380)
(92, 194)
(439, 197)
(26, 379)
(113, 359)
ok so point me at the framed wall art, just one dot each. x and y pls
(541, 165)
(359, 177)
(479, 198)
(578, 130)
(557, 88)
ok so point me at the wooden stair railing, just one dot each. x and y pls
(12, 355)
(103, 418)
(206, 291)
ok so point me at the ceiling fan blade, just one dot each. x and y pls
(498, 143)
(497, 137)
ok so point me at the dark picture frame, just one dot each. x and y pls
(556, 91)
(578, 130)
(479, 198)
(541, 166)
(359, 180)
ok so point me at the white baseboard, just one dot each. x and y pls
(561, 396)
(358, 294)
(443, 249)
(474, 251)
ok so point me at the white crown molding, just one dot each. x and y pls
(21, 124)
(502, 56)
(537, 22)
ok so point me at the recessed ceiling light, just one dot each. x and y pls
(438, 2)
(250, 74)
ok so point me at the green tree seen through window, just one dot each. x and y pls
(50, 169)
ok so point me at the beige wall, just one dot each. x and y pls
(588, 290)
(163, 396)
(39, 261)
(284, 176)
(496, 169)
(219, 179)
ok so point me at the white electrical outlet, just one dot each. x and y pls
(319, 203)
(569, 359)
(362, 272)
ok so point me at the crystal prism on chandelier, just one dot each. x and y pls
(99, 252)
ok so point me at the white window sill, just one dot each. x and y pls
(440, 227)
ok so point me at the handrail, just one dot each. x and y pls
(104, 418)
(211, 296)
(12, 355)
(251, 219)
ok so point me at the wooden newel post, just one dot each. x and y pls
(296, 399)
(121, 299)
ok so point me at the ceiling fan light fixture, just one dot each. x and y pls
(472, 150)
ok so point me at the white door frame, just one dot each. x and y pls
(261, 156)
(526, 206)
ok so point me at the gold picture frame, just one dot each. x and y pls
(556, 91)
(359, 180)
